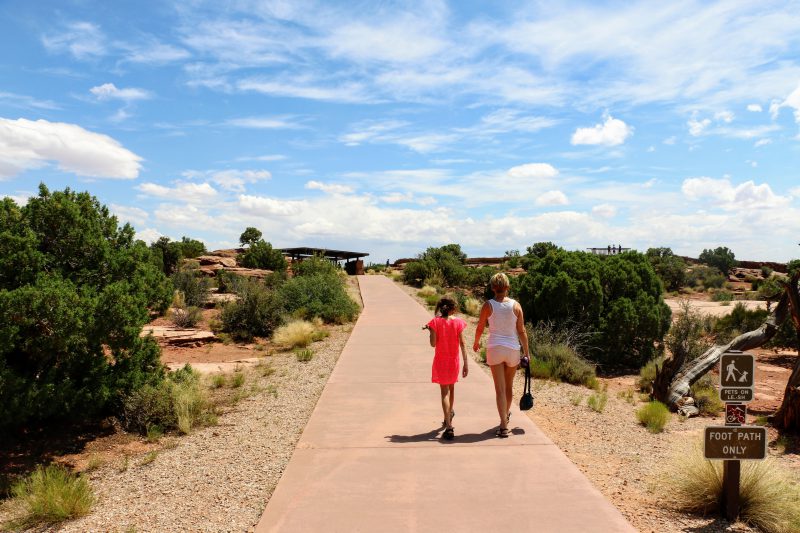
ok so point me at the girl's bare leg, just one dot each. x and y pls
(446, 403)
(509, 376)
(452, 400)
(499, 377)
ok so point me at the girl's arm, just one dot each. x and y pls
(432, 336)
(521, 332)
(485, 310)
(465, 369)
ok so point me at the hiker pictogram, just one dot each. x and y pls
(737, 370)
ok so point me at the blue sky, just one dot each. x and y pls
(387, 127)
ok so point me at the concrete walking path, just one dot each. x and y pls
(370, 458)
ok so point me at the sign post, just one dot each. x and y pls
(735, 442)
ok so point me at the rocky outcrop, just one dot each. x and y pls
(207, 260)
(174, 336)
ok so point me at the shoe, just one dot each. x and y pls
(448, 434)
(501, 433)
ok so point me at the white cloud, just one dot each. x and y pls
(232, 179)
(270, 157)
(551, 198)
(125, 213)
(696, 127)
(26, 144)
(155, 53)
(263, 123)
(404, 40)
(23, 101)
(332, 188)
(724, 116)
(371, 131)
(795, 192)
(754, 108)
(264, 206)
(722, 193)
(612, 132)
(109, 91)
(309, 88)
(604, 211)
(149, 235)
(670, 140)
(651, 149)
(83, 40)
(533, 170)
(397, 197)
(186, 192)
(762, 142)
(792, 101)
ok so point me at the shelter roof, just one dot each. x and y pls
(336, 255)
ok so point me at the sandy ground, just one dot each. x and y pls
(713, 308)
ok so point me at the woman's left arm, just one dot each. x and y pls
(521, 332)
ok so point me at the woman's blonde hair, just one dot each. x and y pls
(499, 282)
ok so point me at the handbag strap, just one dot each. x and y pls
(527, 379)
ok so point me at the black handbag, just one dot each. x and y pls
(526, 402)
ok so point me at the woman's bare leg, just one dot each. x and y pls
(510, 371)
(446, 403)
(499, 377)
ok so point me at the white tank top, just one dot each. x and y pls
(503, 324)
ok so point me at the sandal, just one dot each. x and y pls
(452, 414)
(448, 434)
(501, 433)
(508, 417)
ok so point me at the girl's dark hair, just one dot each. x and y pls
(445, 306)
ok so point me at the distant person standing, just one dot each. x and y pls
(506, 335)
(446, 335)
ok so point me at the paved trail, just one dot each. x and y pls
(370, 459)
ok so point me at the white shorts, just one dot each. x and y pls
(502, 354)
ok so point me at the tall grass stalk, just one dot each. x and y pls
(295, 334)
(50, 495)
(770, 499)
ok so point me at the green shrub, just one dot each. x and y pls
(618, 298)
(304, 355)
(720, 258)
(792, 267)
(426, 291)
(740, 320)
(647, 374)
(706, 397)
(443, 266)
(315, 265)
(432, 300)
(75, 291)
(653, 416)
(317, 295)
(565, 364)
(256, 314)
(687, 338)
(597, 401)
(414, 273)
(435, 278)
(218, 381)
(261, 254)
(714, 281)
(176, 403)
(722, 296)
(48, 496)
(229, 283)
(669, 267)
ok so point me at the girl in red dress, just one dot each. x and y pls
(446, 336)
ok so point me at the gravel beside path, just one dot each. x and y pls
(218, 478)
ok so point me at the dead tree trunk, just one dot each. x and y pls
(788, 416)
(675, 378)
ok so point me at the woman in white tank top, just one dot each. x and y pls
(506, 335)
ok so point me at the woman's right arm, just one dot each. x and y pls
(485, 311)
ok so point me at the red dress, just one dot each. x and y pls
(445, 360)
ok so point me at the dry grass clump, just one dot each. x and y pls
(770, 499)
(597, 401)
(50, 495)
(653, 416)
(426, 291)
(472, 306)
(295, 334)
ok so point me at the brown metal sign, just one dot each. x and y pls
(736, 376)
(735, 443)
(729, 394)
